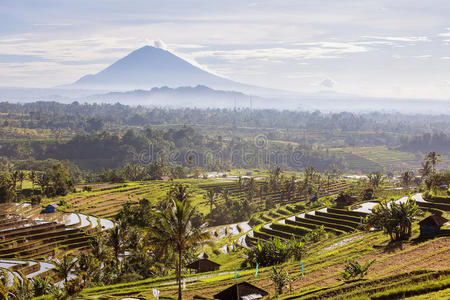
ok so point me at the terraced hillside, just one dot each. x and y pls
(29, 239)
(418, 267)
(106, 201)
(237, 192)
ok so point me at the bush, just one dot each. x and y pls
(269, 253)
(87, 188)
(353, 269)
(394, 218)
(299, 206)
(273, 252)
(280, 278)
(35, 199)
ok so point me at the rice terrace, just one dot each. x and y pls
(231, 150)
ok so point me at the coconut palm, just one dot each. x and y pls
(250, 188)
(407, 178)
(210, 195)
(33, 176)
(375, 179)
(226, 196)
(426, 169)
(41, 286)
(44, 181)
(21, 178)
(65, 266)
(433, 158)
(173, 230)
(21, 289)
(15, 178)
(117, 241)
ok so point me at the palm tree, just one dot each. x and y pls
(375, 179)
(407, 178)
(117, 241)
(211, 195)
(173, 230)
(4, 289)
(64, 267)
(41, 286)
(21, 289)
(226, 196)
(33, 178)
(44, 181)
(21, 178)
(15, 178)
(426, 169)
(250, 188)
(433, 158)
(309, 174)
(274, 178)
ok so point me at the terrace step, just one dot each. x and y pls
(328, 223)
(333, 220)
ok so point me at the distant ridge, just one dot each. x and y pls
(199, 96)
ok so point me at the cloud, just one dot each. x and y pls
(318, 50)
(328, 83)
(159, 44)
(410, 39)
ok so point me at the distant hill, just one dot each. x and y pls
(199, 96)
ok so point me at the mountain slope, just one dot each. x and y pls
(150, 67)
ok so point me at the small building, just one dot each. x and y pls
(431, 226)
(344, 200)
(203, 265)
(51, 208)
(241, 291)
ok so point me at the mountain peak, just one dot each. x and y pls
(149, 67)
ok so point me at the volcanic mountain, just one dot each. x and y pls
(150, 67)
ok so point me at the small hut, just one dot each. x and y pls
(203, 265)
(241, 291)
(51, 208)
(344, 200)
(431, 226)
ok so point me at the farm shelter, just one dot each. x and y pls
(431, 226)
(241, 291)
(344, 200)
(203, 265)
(51, 208)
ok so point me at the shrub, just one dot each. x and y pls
(273, 252)
(87, 188)
(299, 206)
(280, 278)
(268, 253)
(353, 269)
(316, 234)
(395, 218)
(35, 200)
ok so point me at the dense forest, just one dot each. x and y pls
(100, 136)
(182, 146)
(427, 142)
(92, 117)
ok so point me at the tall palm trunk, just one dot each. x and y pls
(179, 275)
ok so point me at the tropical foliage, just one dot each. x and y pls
(395, 218)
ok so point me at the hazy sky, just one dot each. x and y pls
(395, 48)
